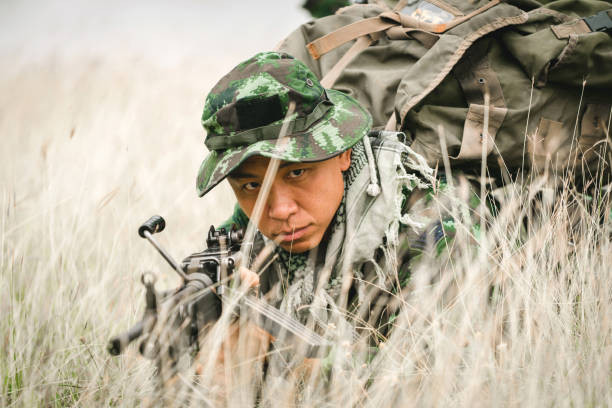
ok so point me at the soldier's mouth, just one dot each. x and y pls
(293, 235)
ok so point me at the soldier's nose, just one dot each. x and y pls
(281, 204)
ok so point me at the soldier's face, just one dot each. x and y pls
(302, 202)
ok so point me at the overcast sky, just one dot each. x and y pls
(166, 32)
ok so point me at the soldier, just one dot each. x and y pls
(337, 207)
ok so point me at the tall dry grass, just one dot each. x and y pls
(521, 316)
(90, 151)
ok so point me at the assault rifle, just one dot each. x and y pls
(174, 319)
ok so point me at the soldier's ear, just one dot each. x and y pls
(345, 159)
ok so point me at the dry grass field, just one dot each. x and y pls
(92, 147)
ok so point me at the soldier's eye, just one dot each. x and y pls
(296, 173)
(251, 186)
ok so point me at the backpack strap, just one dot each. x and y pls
(333, 40)
(368, 31)
(361, 44)
(484, 95)
(383, 22)
(600, 22)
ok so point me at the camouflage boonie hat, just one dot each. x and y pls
(245, 110)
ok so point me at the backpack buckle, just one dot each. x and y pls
(600, 22)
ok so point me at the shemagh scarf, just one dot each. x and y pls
(359, 227)
(298, 285)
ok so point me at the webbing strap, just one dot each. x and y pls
(269, 132)
(477, 78)
(424, 37)
(361, 44)
(600, 22)
(563, 31)
(333, 40)
(382, 22)
(396, 32)
(392, 122)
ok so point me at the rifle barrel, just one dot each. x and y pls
(117, 344)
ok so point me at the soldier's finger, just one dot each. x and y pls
(248, 277)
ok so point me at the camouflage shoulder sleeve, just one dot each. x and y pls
(238, 218)
(431, 207)
(438, 226)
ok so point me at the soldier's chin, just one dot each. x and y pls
(298, 246)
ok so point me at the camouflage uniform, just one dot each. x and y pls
(373, 235)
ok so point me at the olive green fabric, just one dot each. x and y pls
(544, 116)
(322, 8)
(245, 111)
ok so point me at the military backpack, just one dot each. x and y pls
(537, 74)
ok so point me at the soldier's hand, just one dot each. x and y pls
(248, 278)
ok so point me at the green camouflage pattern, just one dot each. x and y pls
(266, 75)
